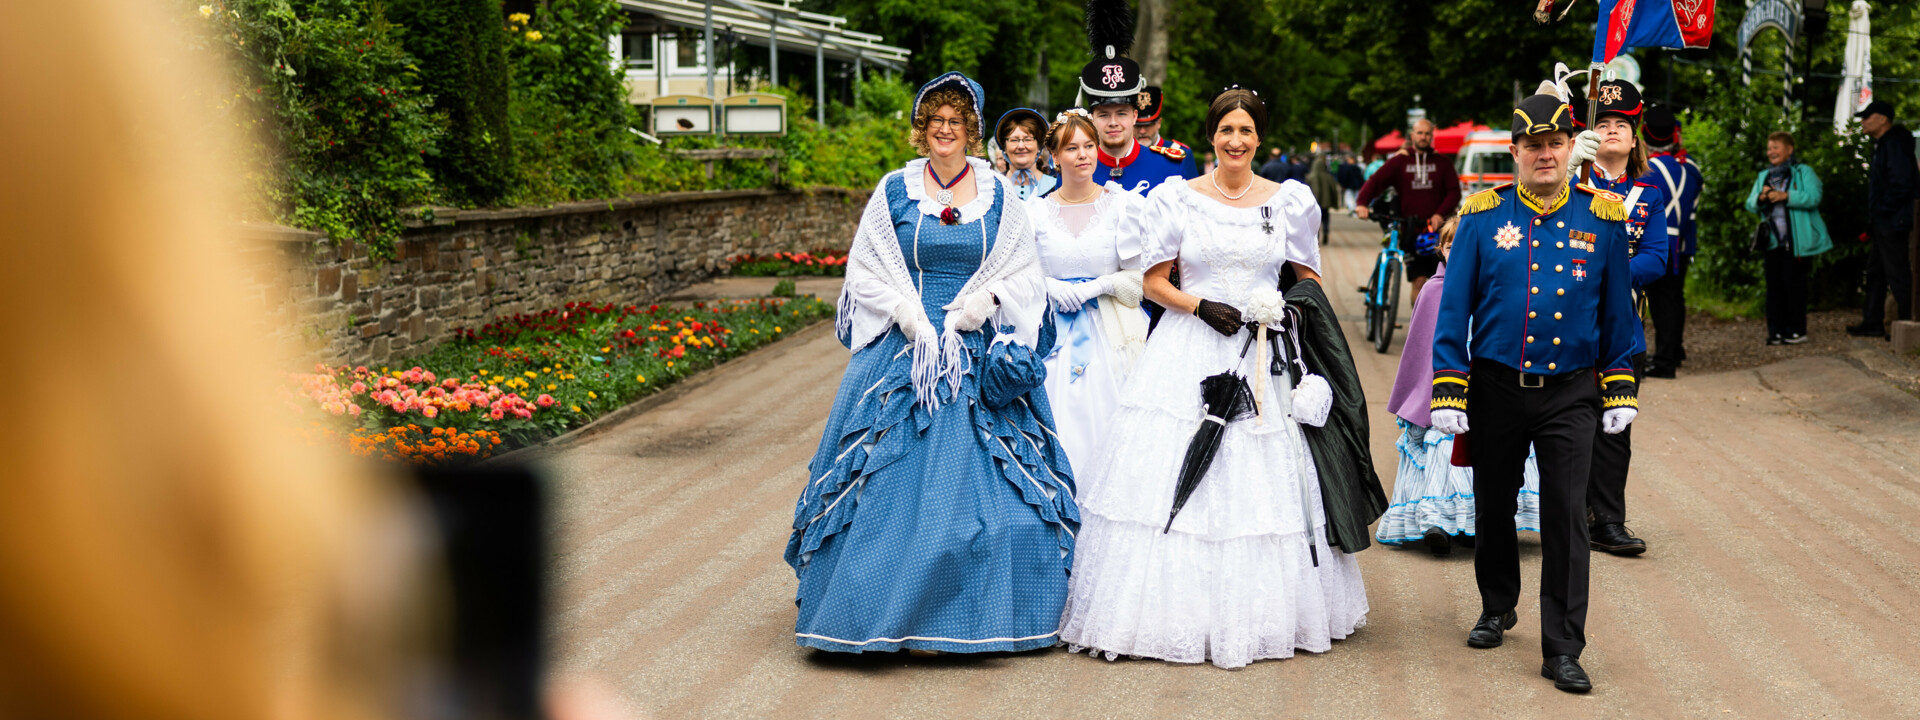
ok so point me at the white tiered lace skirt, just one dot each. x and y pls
(1234, 581)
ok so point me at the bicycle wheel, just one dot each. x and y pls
(1390, 307)
(1368, 295)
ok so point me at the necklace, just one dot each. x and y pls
(945, 195)
(1064, 200)
(1215, 179)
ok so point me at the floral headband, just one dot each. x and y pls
(1062, 116)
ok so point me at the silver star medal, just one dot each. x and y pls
(1507, 238)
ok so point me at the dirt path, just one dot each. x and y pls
(1780, 503)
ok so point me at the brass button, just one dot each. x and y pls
(1536, 291)
(1556, 316)
(1528, 363)
(1560, 224)
(1536, 221)
(1532, 314)
(1559, 245)
(1558, 268)
(1561, 291)
(1556, 341)
(1536, 266)
(1536, 243)
(1529, 338)
(1550, 366)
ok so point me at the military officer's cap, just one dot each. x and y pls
(1542, 114)
(1111, 77)
(1660, 126)
(1620, 98)
(1150, 103)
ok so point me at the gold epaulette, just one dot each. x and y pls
(1606, 205)
(1484, 200)
(1172, 153)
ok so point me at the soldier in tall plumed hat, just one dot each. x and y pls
(1146, 129)
(1110, 88)
(1617, 162)
(1537, 319)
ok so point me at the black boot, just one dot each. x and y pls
(1566, 673)
(1614, 538)
(1438, 542)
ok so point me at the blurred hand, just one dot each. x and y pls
(1362, 212)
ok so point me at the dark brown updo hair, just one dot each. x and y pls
(1058, 135)
(1236, 98)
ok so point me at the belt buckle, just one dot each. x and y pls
(1536, 382)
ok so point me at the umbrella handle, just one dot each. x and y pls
(1260, 375)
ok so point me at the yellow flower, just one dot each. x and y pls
(534, 35)
(551, 386)
(669, 363)
(531, 374)
(756, 331)
(576, 408)
(206, 12)
(521, 18)
(592, 395)
(776, 328)
(640, 378)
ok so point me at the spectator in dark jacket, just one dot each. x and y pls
(1429, 192)
(1276, 167)
(1890, 195)
(1351, 177)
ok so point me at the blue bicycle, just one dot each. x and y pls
(1382, 291)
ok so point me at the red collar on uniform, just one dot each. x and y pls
(1132, 155)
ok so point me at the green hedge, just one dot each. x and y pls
(463, 60)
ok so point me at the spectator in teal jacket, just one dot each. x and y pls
(1787, 197)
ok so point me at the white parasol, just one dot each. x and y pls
(1856, 82)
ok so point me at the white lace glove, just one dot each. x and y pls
(1312, 400)
(1586, 146)
(912, 320)
(1614, 421)
(1063, 295)
(1266, 307)
(1451, 422)
(968, 312)
(1091, 289)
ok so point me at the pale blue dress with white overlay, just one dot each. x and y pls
(948, 528)
(1431, 492)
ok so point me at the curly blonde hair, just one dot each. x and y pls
(946, 98)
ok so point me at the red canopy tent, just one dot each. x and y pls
(1445, 142)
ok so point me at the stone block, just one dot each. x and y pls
(350, 288)
(328, 282)
(1906, 336)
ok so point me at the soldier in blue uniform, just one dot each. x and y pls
(1110, 85)
(1146, 130)
(1677, 174)
(1540, 283)
(1617, 158)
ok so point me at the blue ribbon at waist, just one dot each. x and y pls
(1079, 335)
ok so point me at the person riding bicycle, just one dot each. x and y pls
(1429, 191)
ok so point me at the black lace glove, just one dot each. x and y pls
(1223, 318)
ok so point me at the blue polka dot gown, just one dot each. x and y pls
(949, 529)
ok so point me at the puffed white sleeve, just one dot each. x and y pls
(1156, 225)
(1303, 224)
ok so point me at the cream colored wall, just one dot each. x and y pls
(641, 88)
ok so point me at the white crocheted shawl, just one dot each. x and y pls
(876, 268)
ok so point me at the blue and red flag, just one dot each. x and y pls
(1628, 24)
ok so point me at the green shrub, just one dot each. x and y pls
(784, 288)
(463, 62)
(569, 110)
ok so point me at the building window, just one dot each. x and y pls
(689, 51)
(638, 50)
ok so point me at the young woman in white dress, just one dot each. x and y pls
(1244, 572)
(1094, 284)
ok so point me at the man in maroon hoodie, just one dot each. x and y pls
(1429, 191)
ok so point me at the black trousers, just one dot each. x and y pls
(1887, 270)
(1786, 293)
(1607, 482)
(1558, 420)
(1667, 303)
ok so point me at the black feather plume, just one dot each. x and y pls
(1110, 22)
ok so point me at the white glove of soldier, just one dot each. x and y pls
(1612, 422)
(912, 320)
(1449, 421)
(967, 313)
(1063, 295)
(1586, 146)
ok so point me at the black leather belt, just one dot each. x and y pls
(1499, 372)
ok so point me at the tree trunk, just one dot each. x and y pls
(1154, 19)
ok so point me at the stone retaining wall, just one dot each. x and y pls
(332, 303)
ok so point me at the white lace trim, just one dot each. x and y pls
(983, 177)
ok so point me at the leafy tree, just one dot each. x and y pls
(463, 66)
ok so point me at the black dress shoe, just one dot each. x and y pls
(1492, 630)
(1566, 673)
(1614, 538)
(1661, 372)
(1864, 330)
(1438, 542)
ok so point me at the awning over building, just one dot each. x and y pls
(759, 23)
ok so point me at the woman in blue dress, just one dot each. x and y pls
(938, 513)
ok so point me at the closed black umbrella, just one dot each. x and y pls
(1224, 398)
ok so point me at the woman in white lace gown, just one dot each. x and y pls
(1094, 283)
(1245, 572)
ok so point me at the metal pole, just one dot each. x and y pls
(706, 44)
(820, 82)
(858, 66)
(660, 61)
(773, 52)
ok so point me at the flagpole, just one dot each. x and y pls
(1594, 70)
